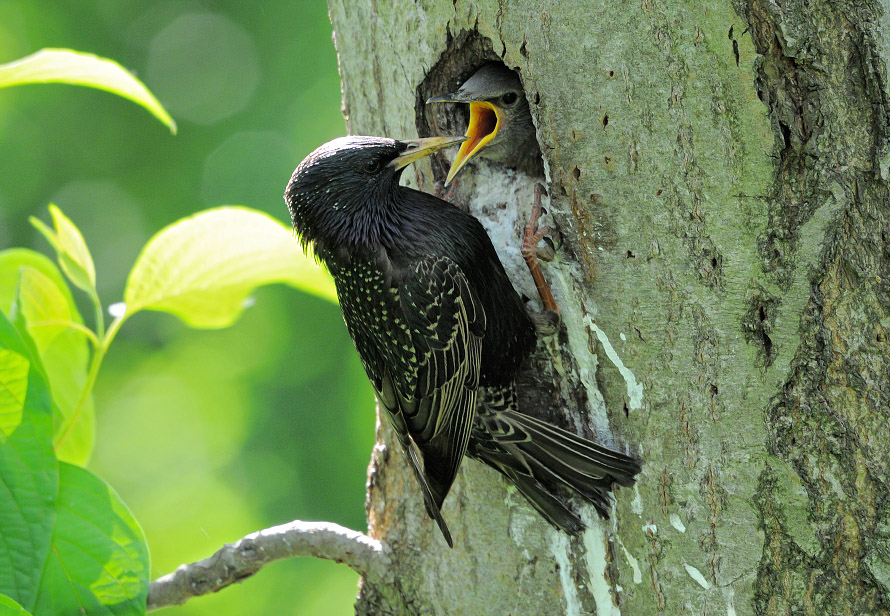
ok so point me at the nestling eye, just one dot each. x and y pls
(509, 98)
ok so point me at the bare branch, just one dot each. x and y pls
(237, 561)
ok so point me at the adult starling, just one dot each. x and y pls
(500, 127)
(436, 322)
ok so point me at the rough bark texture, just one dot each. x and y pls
(719, 172)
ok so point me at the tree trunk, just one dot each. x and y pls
(719, 173)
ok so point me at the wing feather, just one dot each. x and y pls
(419, 336)
(446, 321)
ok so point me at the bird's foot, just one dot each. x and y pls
(533, 235)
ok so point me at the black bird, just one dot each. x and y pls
(436, 322)
(500, 127)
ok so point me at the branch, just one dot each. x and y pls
(237, 561)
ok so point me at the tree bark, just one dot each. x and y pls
(719, 173)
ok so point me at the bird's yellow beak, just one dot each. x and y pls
(485, 121)
(420, 148)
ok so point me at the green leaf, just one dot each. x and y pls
(64, 351)
(9, 607)
(44, 306)
(65, 356)
(82, 69)
(71, 249)
(202, 268)
(29, 472)
(13, 389)
(99, 559)
(68, 544)
(11, 263)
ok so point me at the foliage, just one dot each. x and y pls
(70, 542)
(67, 66)
(70, 545)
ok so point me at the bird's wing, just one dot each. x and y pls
(438, 399)
(420, 342)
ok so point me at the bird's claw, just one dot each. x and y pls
(552, 238)
(533, 235)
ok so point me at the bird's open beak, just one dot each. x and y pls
(419, 148)
(485, 121)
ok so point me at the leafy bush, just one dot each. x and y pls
(68, 544)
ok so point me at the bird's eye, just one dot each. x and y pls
(509, 98)
(373, 166)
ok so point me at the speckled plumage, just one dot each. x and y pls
(436, 321)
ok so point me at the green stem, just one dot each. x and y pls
(98, 356)
(100, 316)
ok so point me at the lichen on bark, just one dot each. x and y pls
(824, 81)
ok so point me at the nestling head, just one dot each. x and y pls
(500, 122)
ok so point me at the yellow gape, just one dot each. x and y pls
(485, 119)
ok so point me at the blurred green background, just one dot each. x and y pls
(207, 435)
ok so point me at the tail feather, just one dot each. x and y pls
(544, 461)
(578, 456)
(549, 506)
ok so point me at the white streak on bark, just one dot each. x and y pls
(633, 562)
(634, 388)
(594, 543)
(636, 505)
(677, 523)
(573, 318)
(696, 575)
(559, 547)
(729, 595)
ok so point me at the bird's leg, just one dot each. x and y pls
(549, 320)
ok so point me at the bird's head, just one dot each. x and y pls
(500, 121)
(344, 192)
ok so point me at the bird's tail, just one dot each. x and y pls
(543, 461)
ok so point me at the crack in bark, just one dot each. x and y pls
(824, 90)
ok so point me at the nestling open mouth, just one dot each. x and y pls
(484, 124)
